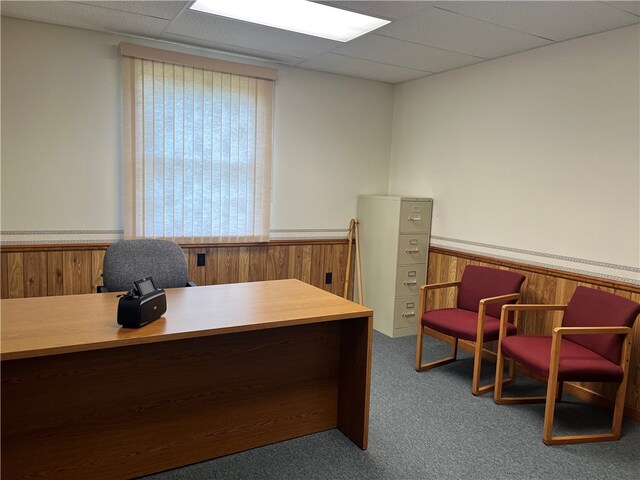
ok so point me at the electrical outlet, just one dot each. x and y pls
(200, 259)
(328, 278)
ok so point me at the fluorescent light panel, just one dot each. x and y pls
(295, 15)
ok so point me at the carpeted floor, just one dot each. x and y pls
(429, 426)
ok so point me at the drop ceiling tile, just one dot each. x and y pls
(450, 31)
(553, 20)
(356, 67)
(233, 50)
(197, 26)
(89, 17)
(163, 9)
(391, 10)
(392, 51)
(631, 7)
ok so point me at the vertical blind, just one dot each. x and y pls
(197, 153)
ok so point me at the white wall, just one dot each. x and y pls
(533, 156)
(538, 151)
(61, 138)
(333, 139)
(61, 123)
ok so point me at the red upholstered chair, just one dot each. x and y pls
(481, 293)
(592, 345)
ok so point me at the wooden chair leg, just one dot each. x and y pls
(477, 367)
(499, 383)
(419, 335)
(476, 389)
(497, 391)
(421, 367)
(618, 410)
(549, 409)
(512, 372)
(559, 394)
(553, 385)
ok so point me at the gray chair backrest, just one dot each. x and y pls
(129, 260)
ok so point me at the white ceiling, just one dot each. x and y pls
(423, 37)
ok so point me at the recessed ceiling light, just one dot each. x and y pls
(296, 15)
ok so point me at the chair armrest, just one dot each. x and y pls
(532, 306)
(482, 310)
(102, 289)
(558, 332)
(591, 330)
(500, 298)
(517, 308)
(434, 286)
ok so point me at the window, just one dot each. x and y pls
(197, 145)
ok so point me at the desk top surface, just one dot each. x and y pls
(33, 327)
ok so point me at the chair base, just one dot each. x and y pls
(590, 438)
(428, 366)
(476, 388)
(554, 395)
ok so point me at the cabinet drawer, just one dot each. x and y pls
(409, 279)
(405, 313)
(415, 216)
(412, 249)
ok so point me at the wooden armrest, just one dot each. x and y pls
(500, 298)
(556, 342)
(591, 330)
(531, 306)
(521, 307)
(433, 286)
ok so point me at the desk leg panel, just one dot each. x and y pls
(355, 379)
(129, 411)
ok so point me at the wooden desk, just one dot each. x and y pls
(228, 368)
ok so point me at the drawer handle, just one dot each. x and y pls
(408, 314)
(414, 219)
(412, 250)
(413, 282)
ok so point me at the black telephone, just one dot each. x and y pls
(141, 305)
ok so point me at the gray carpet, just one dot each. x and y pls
(429, 426)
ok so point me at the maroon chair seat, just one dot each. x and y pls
(481, 293)
(592, 345)
(577, 363)
(460, 323)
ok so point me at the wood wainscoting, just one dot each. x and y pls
(542, 285)
(41, 270)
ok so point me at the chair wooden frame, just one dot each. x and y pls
(554, 388)
(476, 388)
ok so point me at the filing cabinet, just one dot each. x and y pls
(394, 249)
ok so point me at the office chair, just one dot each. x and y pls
(129, 260)
(592, 345)
(481, 293)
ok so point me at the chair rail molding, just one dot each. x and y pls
(52, 237)
(60, 237)
(581, 266)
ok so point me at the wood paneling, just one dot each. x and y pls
(15, 269)
(78, 269)
(76, 272)
(55, 283)
(35, 274)
(543, 286)
(41, 270)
